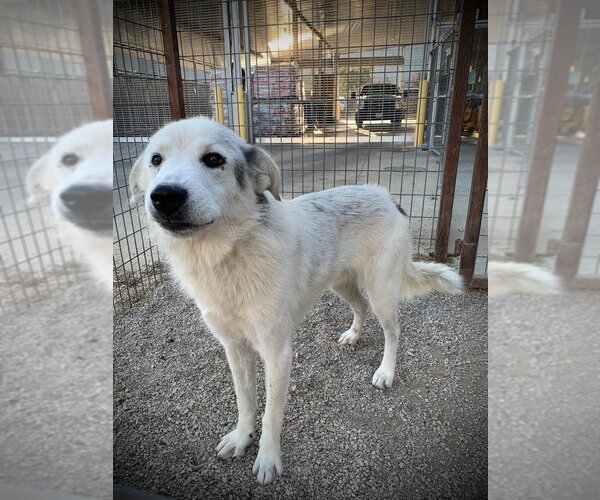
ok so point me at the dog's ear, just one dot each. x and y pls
(263, 171)
(135, 181)
(34, 178)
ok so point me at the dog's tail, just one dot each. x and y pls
(425, 277)
(506, 277)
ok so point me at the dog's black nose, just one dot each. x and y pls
(167, 198)
(87, 199)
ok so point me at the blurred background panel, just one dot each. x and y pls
(56, 333)
(544, 127)
(544, 73)
(50, 83)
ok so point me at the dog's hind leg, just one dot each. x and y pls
(384, 302)
(349, 291)
(242, 362)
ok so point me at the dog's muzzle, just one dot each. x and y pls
(88, 206)
(168, 201)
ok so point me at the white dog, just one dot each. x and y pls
(255, 264)
(77, 173)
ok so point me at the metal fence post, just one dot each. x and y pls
(463, 59)
(582, 196)
(96, 68)
(548, 121)
(172, 63)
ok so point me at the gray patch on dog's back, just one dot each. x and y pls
(318, 207)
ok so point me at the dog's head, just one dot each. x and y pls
(196, 175)
(77, 173)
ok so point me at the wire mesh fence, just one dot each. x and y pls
(528, 62)
(141, 106)
(338, 93)
(43, 81)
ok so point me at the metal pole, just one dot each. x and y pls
(232, 119)
(96, 67)
(457, 104)
(172, 63)
(248, 95)
(421, 113)
(582, 196)
(548, 122)
(236, 51)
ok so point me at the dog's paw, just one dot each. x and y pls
(234, 444)
(349, 337)
(383, 378)
(267, 466)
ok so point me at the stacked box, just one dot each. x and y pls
(276, 94)
(277, 118)
(281, 81)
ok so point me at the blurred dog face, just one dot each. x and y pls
(77, 172)
(196, 174)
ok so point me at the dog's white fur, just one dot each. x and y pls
(255, 265)
(92, 144)
(518, 277)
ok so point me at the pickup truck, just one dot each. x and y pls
(380, 101)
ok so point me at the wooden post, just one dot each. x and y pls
(548, 123)
(582, 196)
(96, 67)
(476, 198)
(172, 63)
(454, 131)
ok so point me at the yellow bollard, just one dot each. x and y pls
(241, 106)
(219, 105)
(496, 93)
(421, 113)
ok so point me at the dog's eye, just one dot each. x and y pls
(213, 160)
(69, 160)
(156, 160)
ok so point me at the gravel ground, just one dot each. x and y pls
(424, 438)
(55, 395)
(544, 394)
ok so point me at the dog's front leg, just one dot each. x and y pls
(278, 363)
(242, 362)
